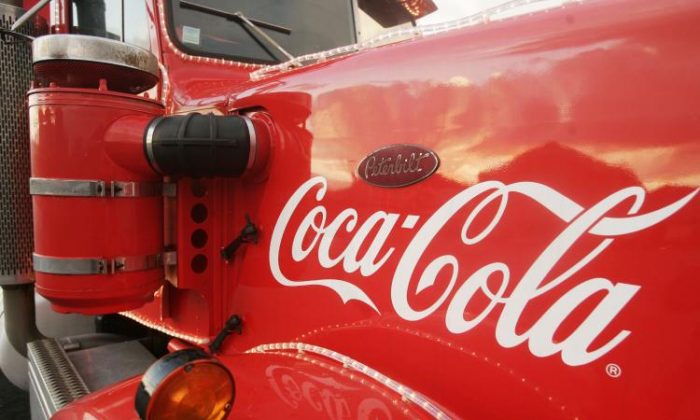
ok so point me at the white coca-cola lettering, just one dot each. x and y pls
(492, 280)
(346, 290)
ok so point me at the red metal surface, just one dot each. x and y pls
(562, 222)
(176, 345)
(44, 12)
(285, 385)
(71, 140)
(279, 385)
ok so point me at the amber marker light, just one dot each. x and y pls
(186, 384)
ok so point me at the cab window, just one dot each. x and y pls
(124, 20)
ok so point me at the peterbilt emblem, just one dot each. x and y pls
(398, 165)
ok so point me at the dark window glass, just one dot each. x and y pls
(98, 18)
(123, 20)
(315, 25)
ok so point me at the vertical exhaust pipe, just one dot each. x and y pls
(20, 316)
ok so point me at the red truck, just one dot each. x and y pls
(269, 213)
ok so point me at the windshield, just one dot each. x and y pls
(313, 25)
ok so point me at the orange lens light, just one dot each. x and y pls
(186, 384)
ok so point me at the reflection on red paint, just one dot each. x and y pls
(597, 103)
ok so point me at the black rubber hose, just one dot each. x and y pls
(197, 145)
(20, 316)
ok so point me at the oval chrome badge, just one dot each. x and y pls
(398, 165)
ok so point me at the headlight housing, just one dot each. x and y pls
(186, 384)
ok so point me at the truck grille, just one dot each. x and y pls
(16, 241)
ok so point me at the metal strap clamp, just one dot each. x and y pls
(88, 266)
(93, 188)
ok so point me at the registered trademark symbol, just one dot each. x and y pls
(613, 370)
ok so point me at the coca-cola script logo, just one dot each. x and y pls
(398, 165)
(372, 234)
(325, 395)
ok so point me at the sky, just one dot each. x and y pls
(454, 9)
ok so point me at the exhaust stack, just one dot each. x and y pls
(16, 240)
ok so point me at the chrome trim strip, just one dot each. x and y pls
(136, 189)
(70, 266)
(93, 188)
(149, 144)
(89, 266)
(169, 189)
(66, 187)
(94, 49)
(170, 258)
(349, 363)
(253, 144)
